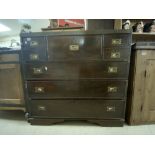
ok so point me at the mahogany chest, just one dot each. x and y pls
(76, 76)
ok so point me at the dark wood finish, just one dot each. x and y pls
(74, 48)
(107, 123)
(35, 49)
(116, 54)
(74, 70)
(82, 76)
(78, 109)
(77, 89)
(34, 43)
(115, 40)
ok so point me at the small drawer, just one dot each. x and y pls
(9, 57)
(116, 54)
(34, 55)
(74, 70)
(116, 40)
(77, 89)
(34, 42)
(96, 109)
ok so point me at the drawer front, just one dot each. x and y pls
(34, 42)
(78, 108)
(118, 40)
(116, 54)
(34, 55)
(9, 57)
(73, 70)
(74, 48)
(76, 89)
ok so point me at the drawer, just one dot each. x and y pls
(116, 54)
(34, 55)
(9, 58)
(96, 109)
(73, 70)
(74, 48)
(76, 89)
(34, 42)
(111, 40)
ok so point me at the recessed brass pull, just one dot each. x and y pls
(73, 47)
(33, 43)
(42, 108)
(39, 90)
(115, 55)
(112, 69)
(34, 57)
(37, 70)
(112, 89)
(110, 108)
(116, 41)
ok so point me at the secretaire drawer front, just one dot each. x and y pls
(116, 40)
(34, 43)
(116, 54)
(76, 89)
(74, 48)
(73, 70)
(78, 108)
(35, 55)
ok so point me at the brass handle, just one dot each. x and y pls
(73, 47)
(115, 55)
(42, 108)
(110, 108)
(39, 70)
(33, 43)
(34, 57)
(39, 90)
(116, 41)
(112, 89)
(112, 69)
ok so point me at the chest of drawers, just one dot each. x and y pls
(76, 76)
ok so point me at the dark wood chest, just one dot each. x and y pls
(76, 75)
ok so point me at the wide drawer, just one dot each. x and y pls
(97, 109)
(116, 54)
(74, 47)
(76, 89)
(74, 70)
(118, 40)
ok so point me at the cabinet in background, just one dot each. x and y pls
(11, 92)
(141, 95)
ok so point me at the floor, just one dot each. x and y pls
(14, 123)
